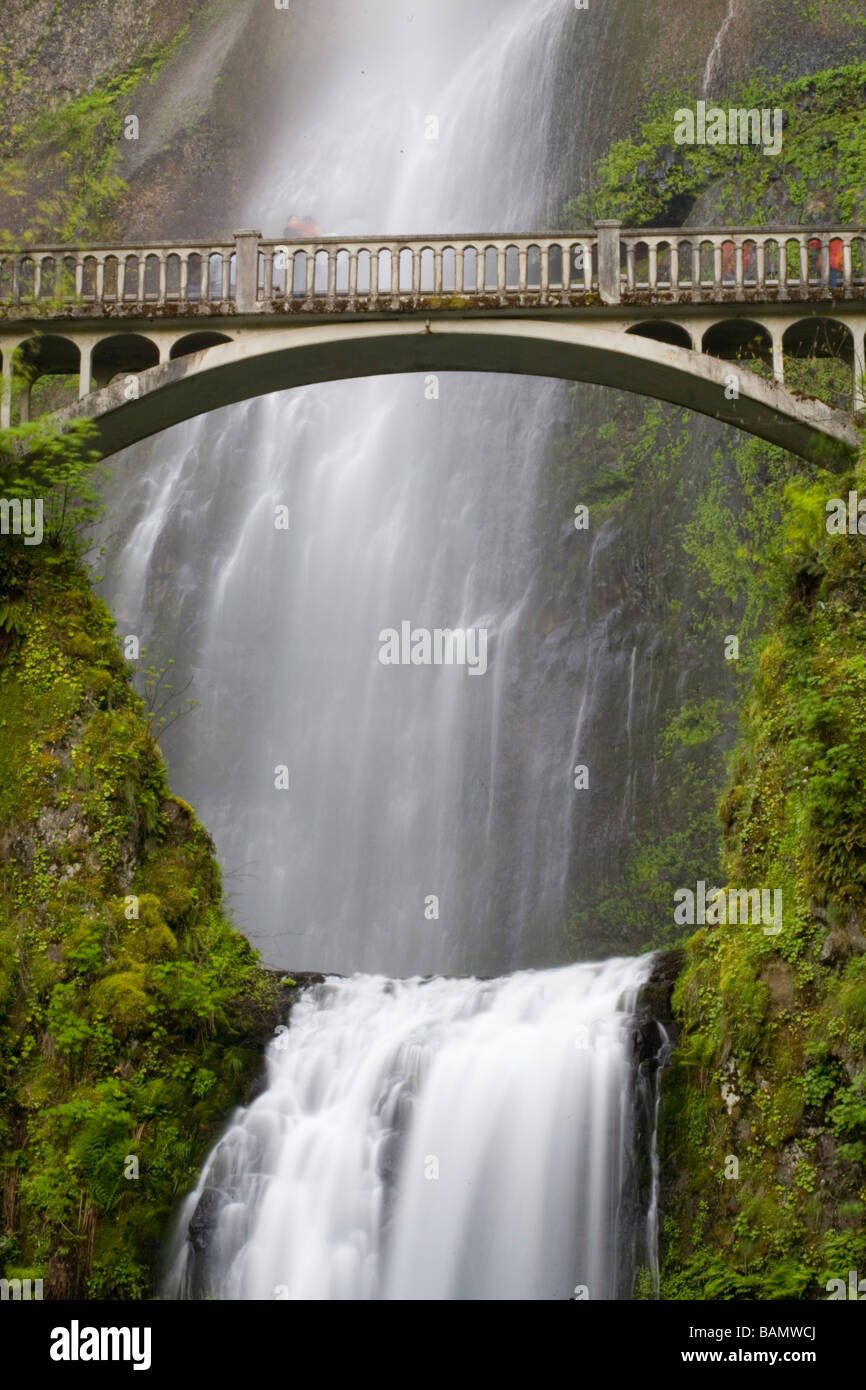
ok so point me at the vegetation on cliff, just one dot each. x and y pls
(131, 1012)
(764, 1121)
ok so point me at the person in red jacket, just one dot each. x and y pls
(299, 227)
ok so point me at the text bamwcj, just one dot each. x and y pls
(441, 646)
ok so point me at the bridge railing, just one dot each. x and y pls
(113, 279)
(390, 274)
(769, 263)
(249, 274)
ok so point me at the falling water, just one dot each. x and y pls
(716, 50)
(429, 822)
(405, 785)
(440, 1139)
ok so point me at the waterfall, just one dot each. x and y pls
(715, 52)
(436, 1140)
(431, 817)
(405, 785)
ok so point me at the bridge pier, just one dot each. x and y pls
(858, 331)
(777, 333)
(6, 390)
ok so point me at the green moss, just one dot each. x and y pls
(782, 1021)
(131, 1012)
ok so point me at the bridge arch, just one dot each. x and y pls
(819, 337)
(122, 353)
(822, 346)
(662, 331)
(196, 342)
(739, 339)
(40, 356)
(264, 361)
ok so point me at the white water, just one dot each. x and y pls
(715, 52)
(438, 1140)
(405, 783)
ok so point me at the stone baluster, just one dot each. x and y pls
(522, 263)
(717, 266)
(184, 277)
(79, 277)
(311, 278)
(142, 267)
(825, 265)
(437, 270)
(544, 269)
(267, 273)
(332, 277)
(481, 270)
(804, 267)
(696, 268)
(653, 249)
(760, 265)
(353, 276)
(739, 272)
(848, 266)
(630, 272)
(675, 267)
(459, 253)
(374, 275)
(395, 276)
(501, 272)
(100, 281)
(416, 272)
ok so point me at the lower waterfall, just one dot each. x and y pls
(433, 1139)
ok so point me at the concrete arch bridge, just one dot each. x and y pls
(709, 319)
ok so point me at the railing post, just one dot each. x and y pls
(247, 271)
(608, 261)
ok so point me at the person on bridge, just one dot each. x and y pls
(837, 260)
(297, 228)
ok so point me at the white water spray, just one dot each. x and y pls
(437, 1140)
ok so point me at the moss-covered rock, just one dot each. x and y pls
(132, 1015)
(763, 1122)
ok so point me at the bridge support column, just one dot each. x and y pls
(84, 369)
(859, 332)
(778, 356)
(608, 261)
(247, 272)
(6, 391)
